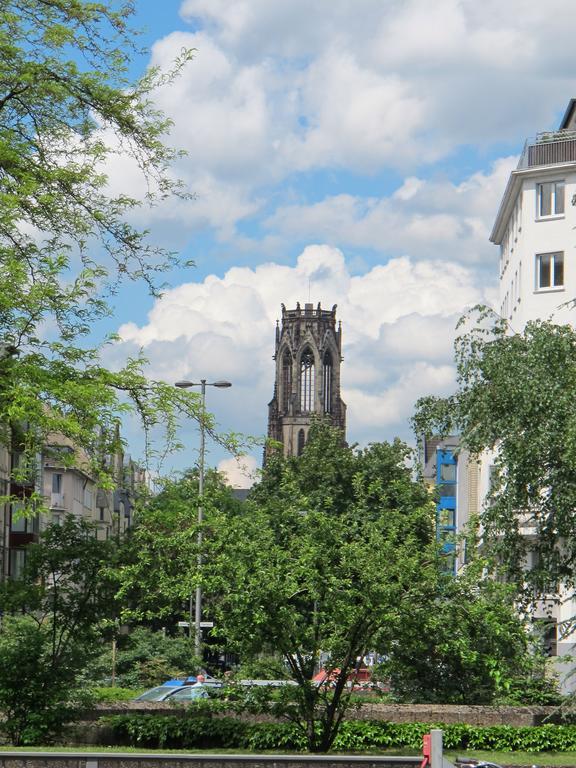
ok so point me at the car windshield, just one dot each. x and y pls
(187, 693)
(155, 694)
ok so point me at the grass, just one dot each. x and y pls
(520, 758)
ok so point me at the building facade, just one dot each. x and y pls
(62, 476)
(534, 230)
(455, 477)
(308, 354)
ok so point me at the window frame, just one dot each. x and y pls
(553, 255)
(286, 380)
(554, 213)
(307, 381)
(327, 377)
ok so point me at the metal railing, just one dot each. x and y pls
(549, 148)
(155, 760)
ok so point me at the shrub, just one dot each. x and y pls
(194, 730)
(104, 695)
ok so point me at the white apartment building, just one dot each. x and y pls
(535, 229)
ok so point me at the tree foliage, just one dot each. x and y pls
(326, 557)
(51, 627)
(159, 571)
(469, 647)
(144, 658)
(68, 111)
(515, 398)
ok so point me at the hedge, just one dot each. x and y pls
(202, 732)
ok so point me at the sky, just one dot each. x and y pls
(349, 152)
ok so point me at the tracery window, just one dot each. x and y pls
(301, 442)
(307, 381)
(286, 380)
(327, 382)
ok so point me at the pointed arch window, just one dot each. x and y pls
(286, 380)
(327, 382)
(301, 441)
(307, 381)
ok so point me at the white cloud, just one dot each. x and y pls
(439, 72)
(427, 219)
(397, 401)
(277, 90)
(398, 326)
(356, 117)
(239, 472)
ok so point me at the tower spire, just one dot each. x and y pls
(308, 355)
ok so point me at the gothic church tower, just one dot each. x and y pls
(308, 354)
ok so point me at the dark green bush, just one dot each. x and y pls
(179, 731)
(199, 731)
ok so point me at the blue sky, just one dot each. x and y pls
(354, 148)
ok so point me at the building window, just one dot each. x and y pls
(301, 442)
(286, 380)
(307, 381)
(327, 382)
(549, 270)
(56, 483)
(547, 631)
(17, 560)
(448, 473)
(446, 517)
(550, 199)
(20, 522)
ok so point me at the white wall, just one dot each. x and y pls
(520, 301)
(528, 236)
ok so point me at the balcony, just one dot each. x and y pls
(549, 148)
(57, 501)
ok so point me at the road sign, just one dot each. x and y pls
(205, 624)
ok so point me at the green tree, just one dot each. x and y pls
(328, 555)
(51, 628)
(469, 647)
(67, 110)
(515, 397)
(145, 657)
(159, 571)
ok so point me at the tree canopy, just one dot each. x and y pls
(515, 398)
(469, 647)
(51, 627)
(159, 569)
(329, 552)
(68, 109)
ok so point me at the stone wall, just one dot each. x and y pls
(455, 713)
(395, 713)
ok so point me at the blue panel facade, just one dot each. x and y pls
(446, 484)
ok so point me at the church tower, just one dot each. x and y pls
(308, 354)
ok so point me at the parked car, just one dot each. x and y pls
(171, 692)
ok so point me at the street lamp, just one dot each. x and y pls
(198, 602)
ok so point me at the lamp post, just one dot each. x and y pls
(198, 598)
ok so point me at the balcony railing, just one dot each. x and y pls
(549, 148)
(57, 501)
